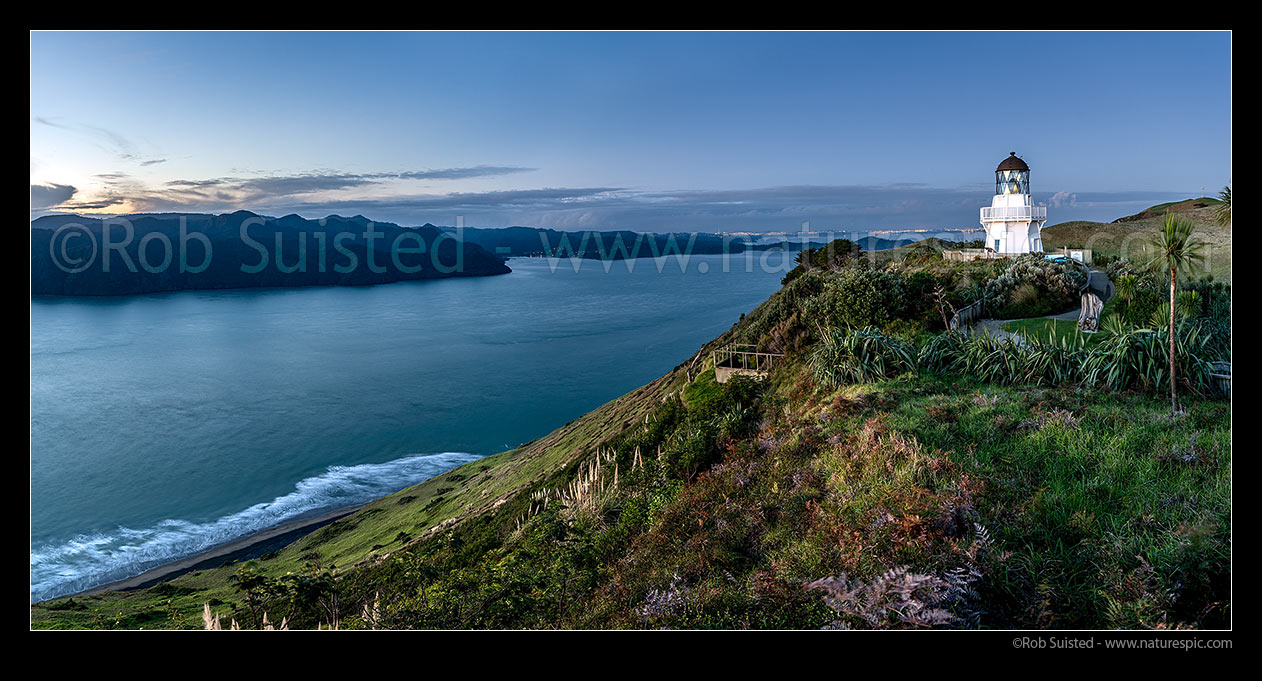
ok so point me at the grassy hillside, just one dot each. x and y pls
(1127, 237)
(1018, 497)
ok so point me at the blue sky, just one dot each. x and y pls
(646, 131)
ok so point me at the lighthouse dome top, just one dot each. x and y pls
(1012, 163)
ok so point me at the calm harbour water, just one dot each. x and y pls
(164, 425)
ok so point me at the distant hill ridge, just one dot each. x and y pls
(1159, 210)
(518, 241)
(1128, 236)
(102, 256)
(69, 252)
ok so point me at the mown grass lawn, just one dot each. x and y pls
(1041, 328)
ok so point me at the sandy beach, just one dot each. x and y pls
(252, 546)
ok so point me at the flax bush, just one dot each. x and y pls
(1137, 359)
(860, 356)
(1124, 359)
(943, 353)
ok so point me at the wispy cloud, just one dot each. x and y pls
(272, 187)
(460, 173)
(105, 139)
(121, 190)
(547, 198)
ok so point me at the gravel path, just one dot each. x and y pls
(993, 327)
(1071, 316)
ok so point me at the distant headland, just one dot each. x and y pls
(74, 255)
(121, 255)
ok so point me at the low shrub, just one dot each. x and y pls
(1031, 286)
(858, 297)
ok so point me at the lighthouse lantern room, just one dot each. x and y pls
(1014, 225)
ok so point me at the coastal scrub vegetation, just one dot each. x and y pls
(833, 287)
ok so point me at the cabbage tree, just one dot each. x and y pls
(1175, 249)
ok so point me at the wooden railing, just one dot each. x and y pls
(692, 365)
(747, 357)
(966, 316)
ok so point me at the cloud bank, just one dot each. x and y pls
(777, 208)
(763, 209)
(44, 196)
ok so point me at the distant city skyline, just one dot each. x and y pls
(665, 132)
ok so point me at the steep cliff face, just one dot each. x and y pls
(78, 256)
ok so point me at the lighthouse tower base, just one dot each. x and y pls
(1014, 225)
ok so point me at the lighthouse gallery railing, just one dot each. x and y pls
(1014, 213)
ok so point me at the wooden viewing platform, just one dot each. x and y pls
(742, 360)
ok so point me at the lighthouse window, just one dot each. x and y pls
(1012, 182)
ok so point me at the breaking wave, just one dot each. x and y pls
(88, 561)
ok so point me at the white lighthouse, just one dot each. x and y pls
(1014, 225)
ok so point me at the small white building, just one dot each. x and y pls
(1014, 225)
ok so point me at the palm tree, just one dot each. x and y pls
(1223, 214)
(1175, 249)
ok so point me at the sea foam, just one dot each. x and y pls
(88, 561)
